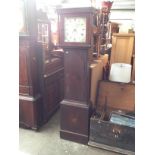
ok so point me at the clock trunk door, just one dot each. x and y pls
(76, 75)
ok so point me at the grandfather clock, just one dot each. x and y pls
(76, 39)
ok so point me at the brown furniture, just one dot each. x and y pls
(97, 74)
(50, 69)
(76, 38)
(96, 70)
(116, 136)
(40, 71)
(30, 99)
(112, 125)
(122, 48)
(51, 82)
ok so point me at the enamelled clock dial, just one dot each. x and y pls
(75, 29)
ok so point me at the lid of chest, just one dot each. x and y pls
(115, 96)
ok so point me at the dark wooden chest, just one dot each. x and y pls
(111, 127)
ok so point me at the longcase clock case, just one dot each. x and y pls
(77, 43)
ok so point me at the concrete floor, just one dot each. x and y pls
(47, 141)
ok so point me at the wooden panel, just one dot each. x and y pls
(28, 67)
(61, 88)
(96, 75)
(24, 90)
(72, 136)
(119, 96)
(53, 91)
(34, 69)
(54, 65)
(30, 115)
(23, 63)
(76, 75)
(122, 48)
(24, 108)
(74, 120)
(51, 96)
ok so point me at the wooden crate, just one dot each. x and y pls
(113, 98)
(119, 96)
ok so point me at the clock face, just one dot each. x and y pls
(75, 29)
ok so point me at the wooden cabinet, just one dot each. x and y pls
(122, 48)
(41, 85)
(52, 89)
(50, 69)
(40, 71)
(30, 99)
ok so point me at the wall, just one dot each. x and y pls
(123, 12)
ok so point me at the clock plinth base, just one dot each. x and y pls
(74, 121)
(79, 138)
